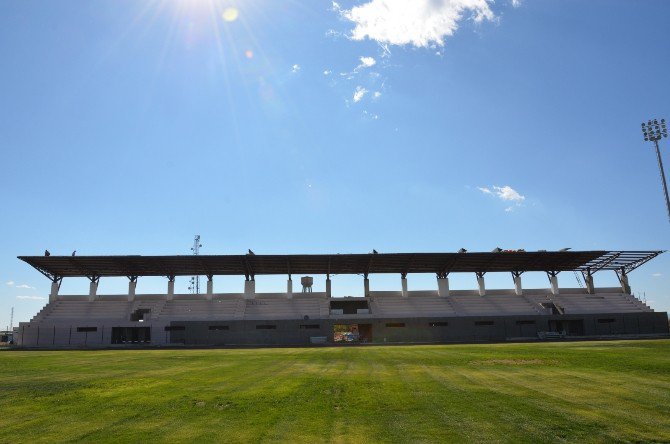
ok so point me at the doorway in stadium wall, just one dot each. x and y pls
(131, 335)
(352, 333)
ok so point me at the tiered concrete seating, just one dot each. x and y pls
(43, 312)
(282, 308)
(492, 304)
(420, 304)
(599, 303)
(61, 310)
(198, 309)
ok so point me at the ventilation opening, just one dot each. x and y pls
(350, 306)
(138, 315)
(439, 324)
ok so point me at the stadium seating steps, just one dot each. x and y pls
(383, 304)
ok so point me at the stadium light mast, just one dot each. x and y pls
(194, 284)
(654, 131)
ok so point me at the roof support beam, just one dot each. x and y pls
(170, 291)
(588, 281)
(55, 287)
(516, 277)
(480, 283)
(623, 280)
(553, 281)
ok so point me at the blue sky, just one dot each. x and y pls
(308, 127)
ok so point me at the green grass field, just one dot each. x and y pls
(579, 391)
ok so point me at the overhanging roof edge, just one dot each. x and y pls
(361, 263)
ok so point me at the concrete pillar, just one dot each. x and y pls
(249, 289)
(625, 287)
(54, 291)
(289, 289)
(366, 287)
(517, 285)
(170, 292)
(554, 284)
(92, 290)
(481, 285)
(328, 288)
(210, 289)
(588, 280)
(443, 287)
(403, 282)
(132, 286)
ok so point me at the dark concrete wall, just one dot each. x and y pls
(462, 329)
(289, 332)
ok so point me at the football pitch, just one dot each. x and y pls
(534, 392)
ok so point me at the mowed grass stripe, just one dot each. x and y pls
(536, 392)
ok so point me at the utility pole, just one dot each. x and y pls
(653, 132)
(194, 284)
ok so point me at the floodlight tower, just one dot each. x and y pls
(653, 132)
(194, 284)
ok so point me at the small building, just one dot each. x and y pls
(437, 315)
(6, 337)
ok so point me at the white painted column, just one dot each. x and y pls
(170, 292)
(366, 287)
(443, 287)
(403, 282)
(132, 286)
(482, 285)
(249, 289)
(328, 288)
(517, 285)
(210, 289)
(54, 291)
(289, 289)
(92, 290)
(588, 280)
(554, 284)
(625, 287)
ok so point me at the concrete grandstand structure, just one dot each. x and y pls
(288, 318)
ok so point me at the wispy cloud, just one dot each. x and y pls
(366, 62)
(327, 72)
(36, 298)
(506, 194)
(10, 283)
(295, 68)
(657, 275)
(420, 23)
(25, 286)
(359, 93)
(377, 94)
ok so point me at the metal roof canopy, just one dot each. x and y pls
(94, 267)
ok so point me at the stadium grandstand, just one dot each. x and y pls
(304, 317)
